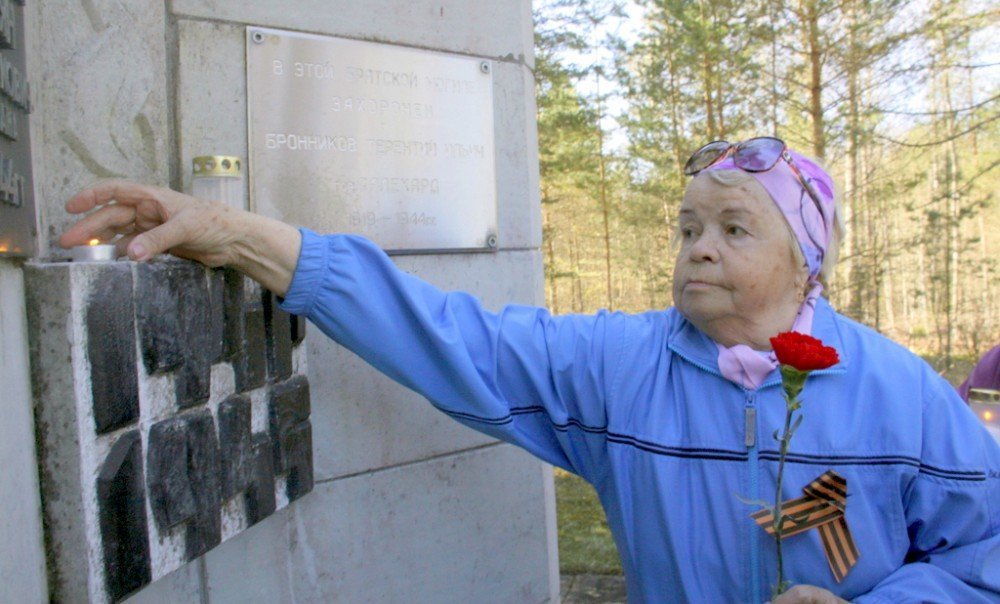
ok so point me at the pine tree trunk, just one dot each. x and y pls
(815, 79)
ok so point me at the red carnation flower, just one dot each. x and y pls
(803, 352)
(798, 354)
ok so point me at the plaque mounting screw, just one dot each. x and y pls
(491, 241)
(484, 66)
(257, 37)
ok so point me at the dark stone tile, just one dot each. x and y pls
(278, 331)
(250, 365)
(288, 406)
(260, 501)
(122, 518)
(235, 446)
(158, 313)
(291, 433)
(111, 349)
(217, 319)
(175, 325)
(171, 494)
(185, 478)
(205, 531)
(232, 311)
(246, 338)
(193, 382)
(297, 448)
(298, 326)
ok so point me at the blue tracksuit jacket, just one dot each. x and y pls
(635, 405)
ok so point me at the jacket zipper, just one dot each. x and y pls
(750, 440)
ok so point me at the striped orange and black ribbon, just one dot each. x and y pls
(821, 508)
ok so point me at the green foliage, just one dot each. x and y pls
(585, 543)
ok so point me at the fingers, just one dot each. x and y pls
(121, 245)
(121, 191)
(152, 220)
(103, 224)
(807, 594)
(159, 240)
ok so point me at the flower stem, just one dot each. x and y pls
(778, 517)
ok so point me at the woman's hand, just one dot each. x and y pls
(807, 594)
(153, 220)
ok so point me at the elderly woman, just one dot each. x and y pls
(668, 414)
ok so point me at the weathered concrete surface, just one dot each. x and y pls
(53, 337)
(519, 212)
(98, 73)
(211, 92)
(492, 29)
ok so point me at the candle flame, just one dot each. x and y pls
(987, 415)
(93, 242)
(3, 248)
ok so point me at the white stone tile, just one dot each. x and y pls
(183, 586)
(252, 566)
(363, 420)
(463, 528)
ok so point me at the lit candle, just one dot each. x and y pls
(95, 251)
(985, 402)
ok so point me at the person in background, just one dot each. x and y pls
(986, 374)
(667, 413)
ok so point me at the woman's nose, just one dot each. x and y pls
(704, 248)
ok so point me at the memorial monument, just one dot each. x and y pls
(171, 435)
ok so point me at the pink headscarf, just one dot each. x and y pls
(741, 364)
(812, 230)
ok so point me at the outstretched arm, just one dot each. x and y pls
(519, 375)
(155, 220)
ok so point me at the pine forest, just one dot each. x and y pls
(899, 99)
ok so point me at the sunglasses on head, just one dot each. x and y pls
(753, 155)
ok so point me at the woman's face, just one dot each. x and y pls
(736, 268)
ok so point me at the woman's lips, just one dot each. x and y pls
(698, 285)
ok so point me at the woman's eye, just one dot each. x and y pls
(735, 231)
(687, 232)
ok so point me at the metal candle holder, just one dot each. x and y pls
(95, 251)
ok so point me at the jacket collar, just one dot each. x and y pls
(693, 345)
